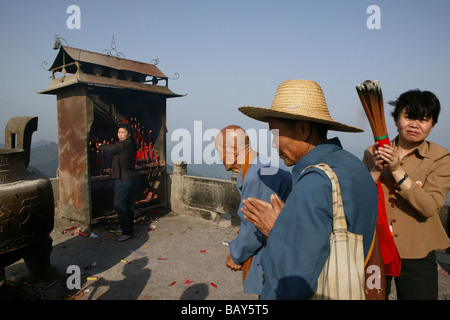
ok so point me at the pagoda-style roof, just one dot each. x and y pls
(82, 66)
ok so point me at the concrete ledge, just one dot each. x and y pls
(212, 199)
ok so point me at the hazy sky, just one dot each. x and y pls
(236, 53)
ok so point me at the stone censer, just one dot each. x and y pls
(26, 205)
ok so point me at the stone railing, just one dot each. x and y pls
(208, 198)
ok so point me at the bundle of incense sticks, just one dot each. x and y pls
(372, 101)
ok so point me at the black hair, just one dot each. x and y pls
(126, 126)
(417, 104)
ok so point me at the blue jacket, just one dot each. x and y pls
(298, 245)
(250, 240)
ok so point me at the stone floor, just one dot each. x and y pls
(182, 257)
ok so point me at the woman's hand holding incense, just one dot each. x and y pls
(378, 163)
(389, 155)
(384, 156)
(263, 214)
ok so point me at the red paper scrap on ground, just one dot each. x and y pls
(81, 233)
(68, 229)
(214, 285)
(172, 283)
(161, 258)
(202, 251)
(188, 281)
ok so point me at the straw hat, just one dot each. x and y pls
(299, 100)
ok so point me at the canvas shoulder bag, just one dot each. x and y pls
(342, 277)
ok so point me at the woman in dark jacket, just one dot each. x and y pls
(122, 169)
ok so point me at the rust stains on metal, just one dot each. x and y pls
(72, 137)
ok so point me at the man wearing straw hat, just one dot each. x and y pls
(298, 231)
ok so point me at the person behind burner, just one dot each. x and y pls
(415, 176)
(122, 169)
(256, 179)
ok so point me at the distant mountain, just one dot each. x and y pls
(44, 157)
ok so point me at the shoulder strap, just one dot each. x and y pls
(339, 222)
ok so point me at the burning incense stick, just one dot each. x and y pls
(372, 101)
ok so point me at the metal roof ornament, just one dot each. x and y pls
(58, 43)
(113, 52)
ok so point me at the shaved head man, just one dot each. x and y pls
(236, 153)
